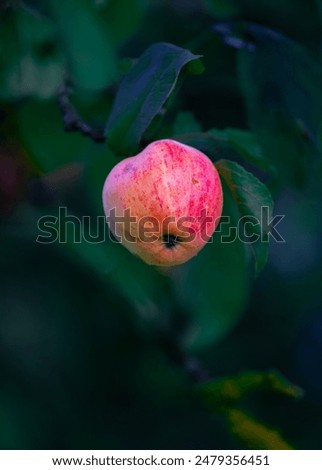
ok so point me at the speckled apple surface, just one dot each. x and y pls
(166, 180)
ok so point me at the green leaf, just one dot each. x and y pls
(143, 92)
(253, 434)
(245, 143)
(123, 18)
(213, 287)
(252, 199)
(86, 43)
(211, 144)
(230, 390)
(31, 64)
(281, 82)
(41, 132)
(227, 143)
(224, 395)
(186, 122)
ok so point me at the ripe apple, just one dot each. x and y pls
(164, 203)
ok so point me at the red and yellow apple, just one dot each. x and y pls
(164, 203)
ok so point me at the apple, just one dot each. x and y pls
(165, 203)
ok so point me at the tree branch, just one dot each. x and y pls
(72, 121)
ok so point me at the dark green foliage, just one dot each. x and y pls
(89, 51)
(281, 83)
(282, 86)
(99, 350)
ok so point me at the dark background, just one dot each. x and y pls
(95, 347)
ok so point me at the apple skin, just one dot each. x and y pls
(167, 179)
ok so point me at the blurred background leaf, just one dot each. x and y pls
(86, 43)
(31, 61)
(281, 85)
(229, 391)
(245, 143)
(186, 122)
(41, 131)
(227, 394)
(123, 19)
(96, 347)
(253, 434)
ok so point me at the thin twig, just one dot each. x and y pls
(72, 121)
